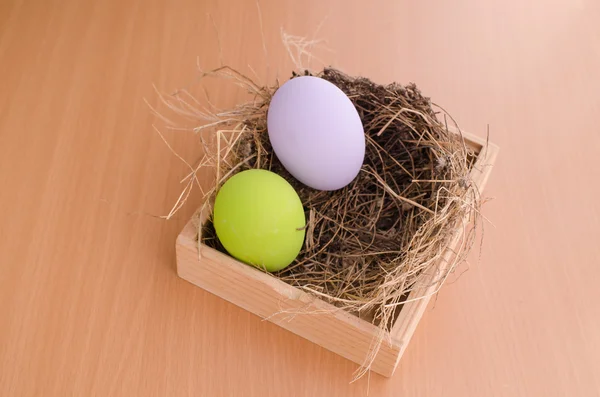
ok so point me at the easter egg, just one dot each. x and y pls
(259, 219)
(316, 133)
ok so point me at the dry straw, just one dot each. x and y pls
(369, 244)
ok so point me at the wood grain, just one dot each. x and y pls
(90, 303)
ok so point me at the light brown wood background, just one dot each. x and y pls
(90, 303)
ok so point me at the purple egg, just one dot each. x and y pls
(316, 133)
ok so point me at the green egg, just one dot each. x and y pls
(259, 219)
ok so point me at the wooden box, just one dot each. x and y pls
(269, 297)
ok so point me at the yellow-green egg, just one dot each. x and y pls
(259, 219)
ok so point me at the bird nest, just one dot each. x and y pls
(369, 244)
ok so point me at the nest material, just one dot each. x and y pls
(369, 244)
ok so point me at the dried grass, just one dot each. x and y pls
(369, 245)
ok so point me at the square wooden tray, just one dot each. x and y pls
(269, 297)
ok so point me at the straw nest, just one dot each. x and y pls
(369, 244)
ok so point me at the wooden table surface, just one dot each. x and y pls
(90, 304)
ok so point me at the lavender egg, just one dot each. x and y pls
(316, 133)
